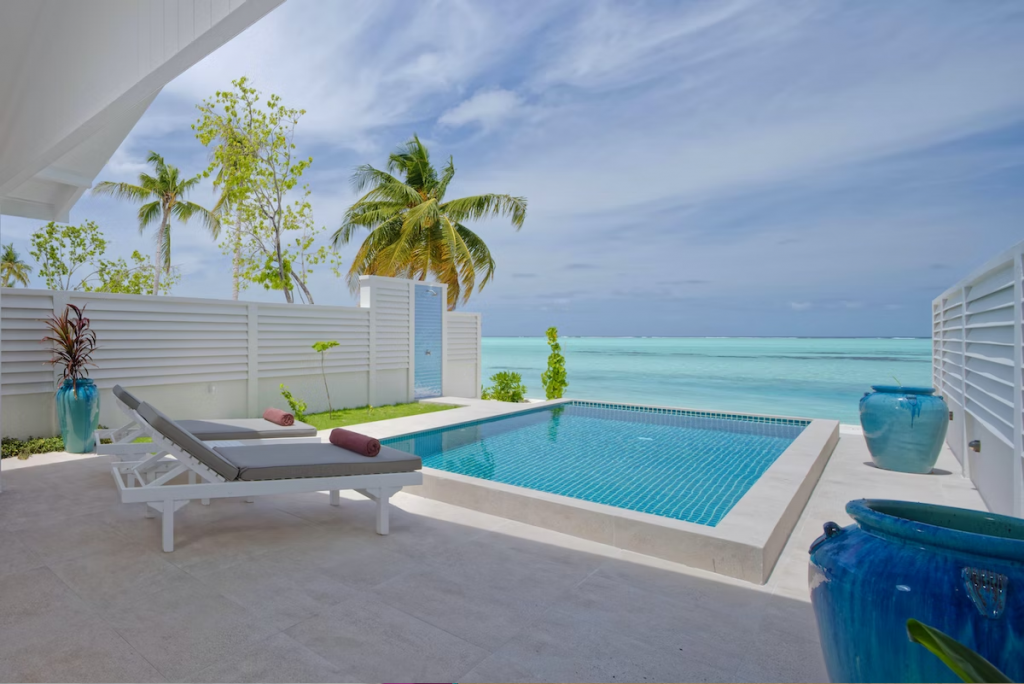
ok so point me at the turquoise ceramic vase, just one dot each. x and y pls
(959, 571)
(78, 411)
(904, 427)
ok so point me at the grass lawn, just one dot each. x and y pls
(321, 421)
(363, 414)
(366, 414)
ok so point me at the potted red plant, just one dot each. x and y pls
(78, 399)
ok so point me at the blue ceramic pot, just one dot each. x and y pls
(957, 570)
(78, 411)
(904, 427)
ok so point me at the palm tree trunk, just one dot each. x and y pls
(158, 259)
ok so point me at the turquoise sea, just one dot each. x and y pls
(813, 378)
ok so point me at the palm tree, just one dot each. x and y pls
(414, 231)
(167, 191)
(12, 269)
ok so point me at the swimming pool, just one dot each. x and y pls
(685, 465)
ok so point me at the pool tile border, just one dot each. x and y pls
(635, 408)
(749, 418)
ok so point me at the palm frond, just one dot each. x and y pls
(447, 173)
(186, 211)
(122, 191)
(148, 215)
(481, 206)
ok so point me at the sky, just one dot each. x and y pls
(692, 168)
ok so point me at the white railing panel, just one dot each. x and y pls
(977, 359)
(207, 357)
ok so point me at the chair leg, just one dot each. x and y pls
(168, 526)
(205, 502)
(149, 511)
(335, 497)
(383, 506)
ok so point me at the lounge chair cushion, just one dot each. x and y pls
(127, 398)
(245, 428)
(188, 442)
(292, 461)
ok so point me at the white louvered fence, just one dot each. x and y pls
(227, 359)
(977, 361)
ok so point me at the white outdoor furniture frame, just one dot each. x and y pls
(147, 482)
(123, 438)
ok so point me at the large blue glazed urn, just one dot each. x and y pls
(956, 570)
(78, 412)
(904, 427)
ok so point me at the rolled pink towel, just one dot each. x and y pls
(353, 441)
(276, 415)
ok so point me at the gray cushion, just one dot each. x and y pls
(245, 428)
(126, 397)
(187, 441)
(291, 461)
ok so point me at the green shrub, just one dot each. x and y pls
(553, 378)
(297, 405)
(32, 445)
(506, 386)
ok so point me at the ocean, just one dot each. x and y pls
(811, 378)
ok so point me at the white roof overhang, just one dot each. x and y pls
(75, 78)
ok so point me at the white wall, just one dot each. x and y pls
(462, 355)
(977, 355)
(226, 359)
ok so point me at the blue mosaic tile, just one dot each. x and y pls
(686, 465)
(427, 345)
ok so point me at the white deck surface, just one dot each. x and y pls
(291, 589)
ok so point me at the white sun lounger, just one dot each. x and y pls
(234, 429)
(253, 470)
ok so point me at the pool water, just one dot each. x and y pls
(685, 465)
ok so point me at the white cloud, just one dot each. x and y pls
(360, 67)
(780, 151)
(615, 43)
(487, 108)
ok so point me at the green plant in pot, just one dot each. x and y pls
(78, 400)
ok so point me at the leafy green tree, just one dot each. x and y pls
(62, 250)
(12, 269)
(225, 208)
(553, 378)
(163, 195)
(138, 277)
(273, 241)
(506, 386)
(322, 348)
(415, 231)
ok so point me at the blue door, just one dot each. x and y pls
(428, 341)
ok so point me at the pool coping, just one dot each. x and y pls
(745, 544)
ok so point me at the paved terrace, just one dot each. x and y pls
(291, 589)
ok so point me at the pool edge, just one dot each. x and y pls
(746, 544)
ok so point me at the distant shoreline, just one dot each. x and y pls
(698, 337)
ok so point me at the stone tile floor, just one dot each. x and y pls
(289, 589)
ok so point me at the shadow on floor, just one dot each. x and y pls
(292, 589)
